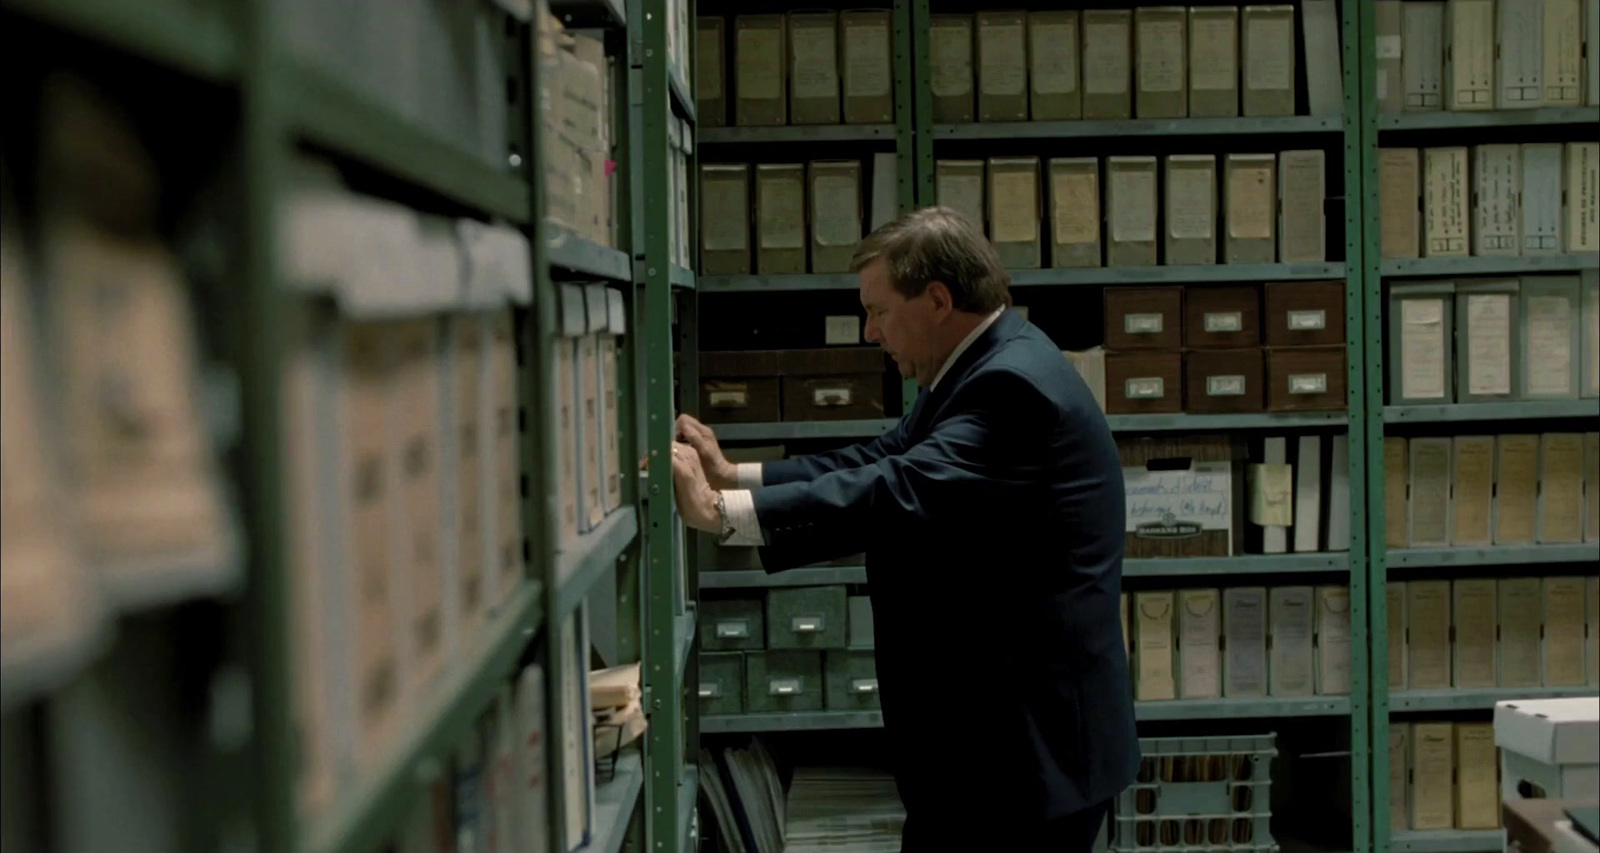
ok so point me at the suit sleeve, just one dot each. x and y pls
(974, 460)
(802, 469)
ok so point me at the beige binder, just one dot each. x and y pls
(1131, 211)
(1516, 499)
(1519, 60)
(1473, 500)
(1107, 63)
(710, 77)
(1520, 620)
(1396, 594)
(1430, 492)
(1469, 55)
(1191, 233)
(813, 67)
(725, 219)
(1560, 487)
(1427, 635)
(1390, 85)
(1152, 632)
(958, 185)
(1014, 210)
(1213, 61)
(1053, 64)
(835, 192)
(1074, 211)
(1432, 774)
(1333, 640)
(1199, 643)
(1582, 195)
(1497, 183)
(950, 67)
(1291, 657)
(1399, 775)
(1564, 620)
(1446, 193)
(780, 218)
(1161, 64)
(1478, 777)
(1302, 190)
(1250, 202)
(867, 66)
(759, 55)
(1562, 46)
(1396, 486)
(1399, 197)
(1002, 66)
(1269, 60)
(1472, 612)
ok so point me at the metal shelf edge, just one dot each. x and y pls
(614, 802)
(1530, 410)
(796, 133)
(465, 690)
(581, 563)
(1488, 118)
(1422, 267)
(1243, 564)
(1087, 276)
(1308, 706)
(802, 429)
(681, 278)
(1236, 125)
(567, 250)
(1447, 841)
(1468, 698)
(1118, 423)
(1499, 555)
(173, 34)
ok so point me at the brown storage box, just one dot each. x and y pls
(832, 384)
(740, 387)
(867, 66)
(1223, 380)
(1303, 313)
(1213, 526)
(759, 59)
(1144, 383)
(1306, 379)
(1144, 318)
(711, 71)
(813, 68)
(1221, 317)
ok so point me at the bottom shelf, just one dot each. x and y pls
(614, 802)
(1448, 841)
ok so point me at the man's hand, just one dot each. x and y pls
(697, 501)
(719, 472)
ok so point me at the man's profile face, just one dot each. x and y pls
(899, 325)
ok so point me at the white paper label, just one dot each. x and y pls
(1055, 58)
(1133, 209)
(1308, 383)
(1422, 349)
(1388, 47)
(1225, 386)
(733, 630)
(1488, 344)
(1161, 56)
(759, 60)
(1174, 503)
(951, 47)
(1271, 61)
(1003, 55)
(866, 56)
(814, 71)
(842, 330)
(1145, 388)
(1142, 324)
(1106, 64)
(1224, 321)
(728, 399)
(836, 210)
(1307, 321)
(1189, 204)
(1549, 346)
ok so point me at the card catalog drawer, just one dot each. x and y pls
(732, 625)
(1224, 380)
(740, 387)
(781, 682)
(807, 617)
(1221, 317)
(1139, 383)
(832, 384)
(852, 681)
(1302, 379)
(721, 686)
(1143, 318)
(1304, 313)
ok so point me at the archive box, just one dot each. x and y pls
(835, 195)
(1144, 383)
(958, 185)
(1223, 380)
(759, 57)
(1551, 338)
(835, 384)
(950, 67)
(1180, 496)
(1074, 212)
(1014, 210)
(1198, 794)
(1108, 64)
(1002, 66)
(1549, 748)
(1160, 74)
(1303, 313)
(721, 687)
(783, 681)
(725, 219)
(711, 71)
(867, 74)
(732, 625)
(1488, 358)
(1191, 209)
(813, 39)
(1131, 204)
(807, 617)
(1221, 317)
(1269, 60)
(1306, 379)
(1213, 61)
(780, 218)
(1421, 333)
(852, 680)
(1250, 203)
(1144, 318)
(1053, 62)
(741, 387)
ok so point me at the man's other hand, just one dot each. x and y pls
(719, 472)
(697, 501)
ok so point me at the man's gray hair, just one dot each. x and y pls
(939, 244)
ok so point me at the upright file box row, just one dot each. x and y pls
(807, 217)
(1477, 490)
(586, 376)
(1149, 62)
(1495, 339)
(1239, 643)
(1443, 775)
(1466, 55)
(1200, 794)
(812, 67)
(1490, 200)
(575, 107)
(1260, 209)
(1482, 633)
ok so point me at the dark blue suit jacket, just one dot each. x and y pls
(992, 521)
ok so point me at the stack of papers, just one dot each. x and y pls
(843, 810)
(618, 715)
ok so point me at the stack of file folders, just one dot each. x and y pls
(746, 799)
(844, 810)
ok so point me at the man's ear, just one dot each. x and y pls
(940, 296)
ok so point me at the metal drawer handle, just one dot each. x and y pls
(784, 687)
(864, 685)
(1142, 324)
(1145, 388)
(733, 630)
(729, 399)
(710, 691)
(830, 397)
(1224, 321)
(1308, 321)
(1308, 383)
(1224, 386)
(806, 624)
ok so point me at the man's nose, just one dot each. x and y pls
(871, 333)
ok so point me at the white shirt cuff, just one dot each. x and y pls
(747, 475)
(741, 509)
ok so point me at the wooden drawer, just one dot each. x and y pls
(1224, 380)
(1306, 379)
(1221, 317)
(740, 387)
(833, 384)
(1304, 313)
(1144, 318)
(1142, 383)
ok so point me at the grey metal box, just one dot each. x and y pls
(807, 617)
(783, 681)
(727, 626)
(852, 681)
(721, 687)
(1420, 323)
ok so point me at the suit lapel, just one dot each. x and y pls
(925, 413)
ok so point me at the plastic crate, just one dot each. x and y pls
(1198, 795)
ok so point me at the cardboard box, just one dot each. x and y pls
(1053, 61)
(1428, 513)
(1399, 202)
(1446, 192)
(1191, 220)
(950, 68)
(1421, 333)
(1249, 207)
(780, 218)
(1497, 183)
(868, 66)
(1562, 73)
(1131, 204)
(1519, 55)
(1582, 194)
(1107, 64)
(1548, 748)
(958, 185)
(1161, 81)
(1269, 60)
(1154, 622)
(813, 39)
(414, 416)
(1422, 65)
(1489, 357)
(1074, 212)
(1014, 210)
(725, 219)
(1551, 337)
(1213, 61)
(835, 192)
(1540, 202)
(614, 467)
(1469, 55)
(1002, 66)
(711, 71)
(759, 54)
(1302, 193)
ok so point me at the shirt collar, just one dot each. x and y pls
(965, 344)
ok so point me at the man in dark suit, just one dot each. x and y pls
(992, 521)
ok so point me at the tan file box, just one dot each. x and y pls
(1562, 48)
(1199, 635)
(1002, 66)
(1469, 55)
(1591, 487)
(1473, 608)
(950, 68)
(1396, 483)
(868, 66)
(835, 187)
(565, 381)
(1390, 85)
(1399, 774)
(1074, 212)
(1107, 63)
(1560, 487)
(1131, 203)
(1269, 61)
(725, 219)
(1399, 202)
(1302, 189)
(1396, 596)
(1497, 184)
(1519, 59)
(1153, 635)
(813, 67)
(1473, 486)
(1589, 334)
(1445, 209)
(1422, 65)
(591, 414)
(1161, 63)
(1551, 337)
(1014, 210)
(1563, 632)
(1213, 61)
(958, 185)
(1250, 202)
(1421, 332)
(1428, 635)
(1191, 233)
(1516, 499)
(506, 462)
(1432, 776)
(1486, 340)
(1477, 777)
(759, 57)
(711, 71)
(1429, 468)
(1520, 619)
(616, 468)
(414, 413)
(1592, 585)
(1053, 63)
(1582, 197)
(780, 218)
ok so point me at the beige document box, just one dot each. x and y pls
(1014, 210)
(1302, 189)
(1191, 202)
(1161, 87)
(1053, 64)
(1250, 205)
(1496, 181)
(1131, 204)
(759, 57)
(1002, 66)
(1445, 203)
(1074, 212)
(1422, 63)
(1469, 55)
(1213, 61)
(1107, 63)
(711, 70)
(725, 219)
(868, 66)
(835, 187)
(958, 185)
(1391, 93)
(1399, 202)
(813, 67)
(780, 218)
(950, 68)
(1269, 60)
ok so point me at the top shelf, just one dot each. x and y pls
(1496, 118)
(190, 37)
(1238, 126)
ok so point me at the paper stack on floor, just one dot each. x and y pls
(843, 810)
(618, 716)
